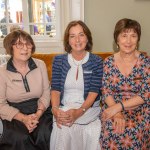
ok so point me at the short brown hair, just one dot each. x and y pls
(12, 37)
(126, 24)
(86, 31)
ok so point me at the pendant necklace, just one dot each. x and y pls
(79, 64)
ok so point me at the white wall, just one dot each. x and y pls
(102, 15)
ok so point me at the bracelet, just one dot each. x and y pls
(40, 109)
(83, 109)
(122, 105)
(54, 107)
(23, 118)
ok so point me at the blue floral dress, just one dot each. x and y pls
(137, 131)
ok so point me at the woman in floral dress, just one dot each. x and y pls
(126, 93)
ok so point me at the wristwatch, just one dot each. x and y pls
(83, 109)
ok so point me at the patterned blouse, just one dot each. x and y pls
(137, 131)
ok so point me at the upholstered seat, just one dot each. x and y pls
(48, 59)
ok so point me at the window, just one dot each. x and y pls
(38, 17)
(32, 16)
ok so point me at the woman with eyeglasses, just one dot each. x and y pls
(24, 96)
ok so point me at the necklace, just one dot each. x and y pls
(131, 61)
(79, 64)
(127, 65)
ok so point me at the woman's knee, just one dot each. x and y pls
(15, 131)
(19, 136)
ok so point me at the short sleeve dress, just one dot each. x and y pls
(137, 131)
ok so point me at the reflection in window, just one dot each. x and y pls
(42, 15)
(9, 15)
(38, 17)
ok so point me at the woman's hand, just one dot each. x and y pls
(62, 118)
(74, 115)
(111, 111)
(30, 122)
(119, 123)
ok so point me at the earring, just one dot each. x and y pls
(117, 47)
(86, 46)
(136, 47)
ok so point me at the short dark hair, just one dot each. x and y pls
(12, 37)
(86, 31)
(126, 24)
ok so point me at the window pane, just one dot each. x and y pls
(5, 16)
(42, 15)
(15, 8)
(35, 29)
(38, 17)
(10, 15)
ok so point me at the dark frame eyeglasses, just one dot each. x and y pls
(20, 45)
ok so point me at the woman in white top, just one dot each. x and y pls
(75, 92)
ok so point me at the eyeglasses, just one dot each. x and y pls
(20, 45)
